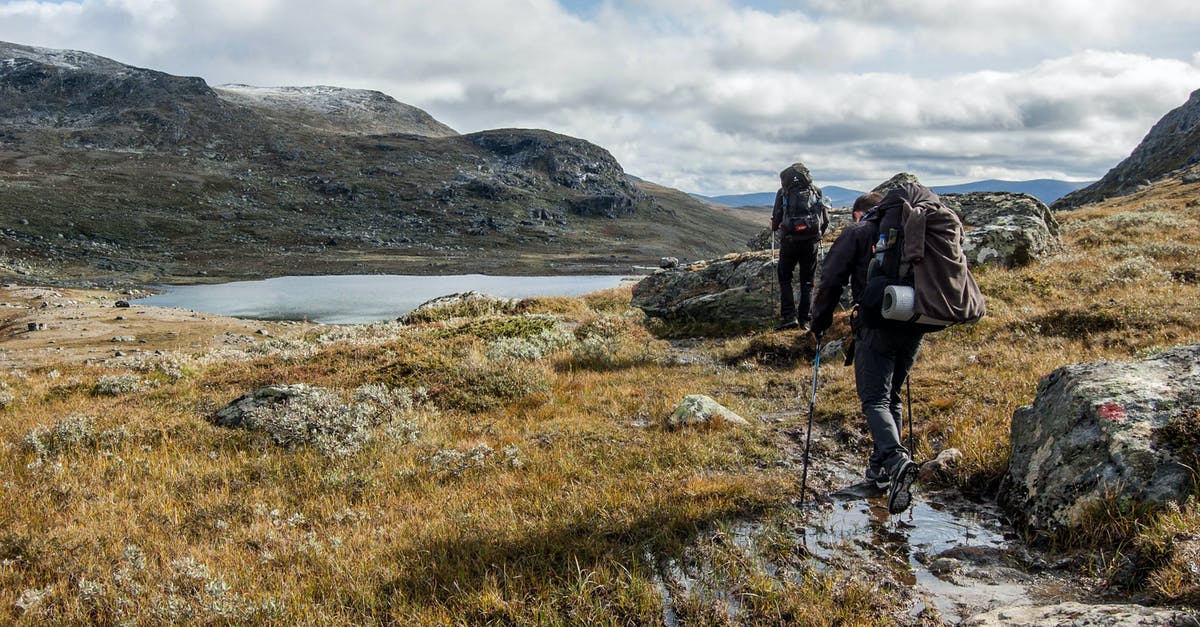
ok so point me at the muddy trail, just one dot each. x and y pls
(949, 558)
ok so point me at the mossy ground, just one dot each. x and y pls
(565, 496)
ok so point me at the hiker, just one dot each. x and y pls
(925, 250)
(801, 214)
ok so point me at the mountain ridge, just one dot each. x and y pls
(1171, 145)
(1045, 190)
(117, 173)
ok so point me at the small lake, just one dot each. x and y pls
(355, 299)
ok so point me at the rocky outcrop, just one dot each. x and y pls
(700, 410)
(737, 290)
(1104, 429)
(1173, 143)
(575, 164)
(1004, 228)
(1081, 614)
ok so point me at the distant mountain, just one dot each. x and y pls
(1172, 143)
(839, 196)
(1045, 190)
(132, 175)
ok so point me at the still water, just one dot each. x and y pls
(351, 299)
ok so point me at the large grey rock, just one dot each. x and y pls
(1004, 228)
(698, 409)
(1096, 429)
(235, 414)
(735, 290)
(1081, 614)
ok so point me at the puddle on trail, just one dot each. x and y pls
(954, 555)
(964, 542)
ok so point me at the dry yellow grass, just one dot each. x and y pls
(551, 504)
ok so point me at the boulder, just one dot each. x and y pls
(1004, 228)
(234, 414)
(700, 410)
(1080, 614)
(1103, 429)
(738, 290)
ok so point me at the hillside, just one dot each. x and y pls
(1172, 144)
(119, 174)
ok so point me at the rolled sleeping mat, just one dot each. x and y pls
(898, 303)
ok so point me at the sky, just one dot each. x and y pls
(708, 96)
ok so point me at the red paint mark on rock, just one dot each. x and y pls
(1111, 411)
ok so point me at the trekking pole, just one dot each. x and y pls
(908, 391)
(812, 408)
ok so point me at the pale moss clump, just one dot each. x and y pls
(320, 419)
(531, 348)
(118, 384)
(70, 433)
(1135, 269)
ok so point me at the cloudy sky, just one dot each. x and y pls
(710, 96)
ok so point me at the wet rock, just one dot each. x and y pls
(943, 566)
(1080, 614)
(736, 291)
(36, 326)
(668, 262)
(700, 410)
(941, 469)
(1101, 429)
(121, 303)
(234, 414)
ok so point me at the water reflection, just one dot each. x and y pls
(350, 299)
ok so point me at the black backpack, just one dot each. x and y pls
(803, 212)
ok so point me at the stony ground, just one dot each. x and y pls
(42, 326)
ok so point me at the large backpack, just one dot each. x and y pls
(803, 212)
(918, 278)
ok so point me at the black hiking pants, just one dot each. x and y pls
(882, 360)
(803, 253)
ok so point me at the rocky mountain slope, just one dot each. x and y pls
(115, 173)
(1172, 144)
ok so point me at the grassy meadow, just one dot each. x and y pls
(511, 465)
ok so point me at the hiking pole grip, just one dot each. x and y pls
(812, 408)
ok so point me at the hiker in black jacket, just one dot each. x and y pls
(801, 215)
(882, 357)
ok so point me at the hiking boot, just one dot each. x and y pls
(787, 324)
(805, 325)
(900, 492)
(880, 477)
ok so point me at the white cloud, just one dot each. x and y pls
(709, 96)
